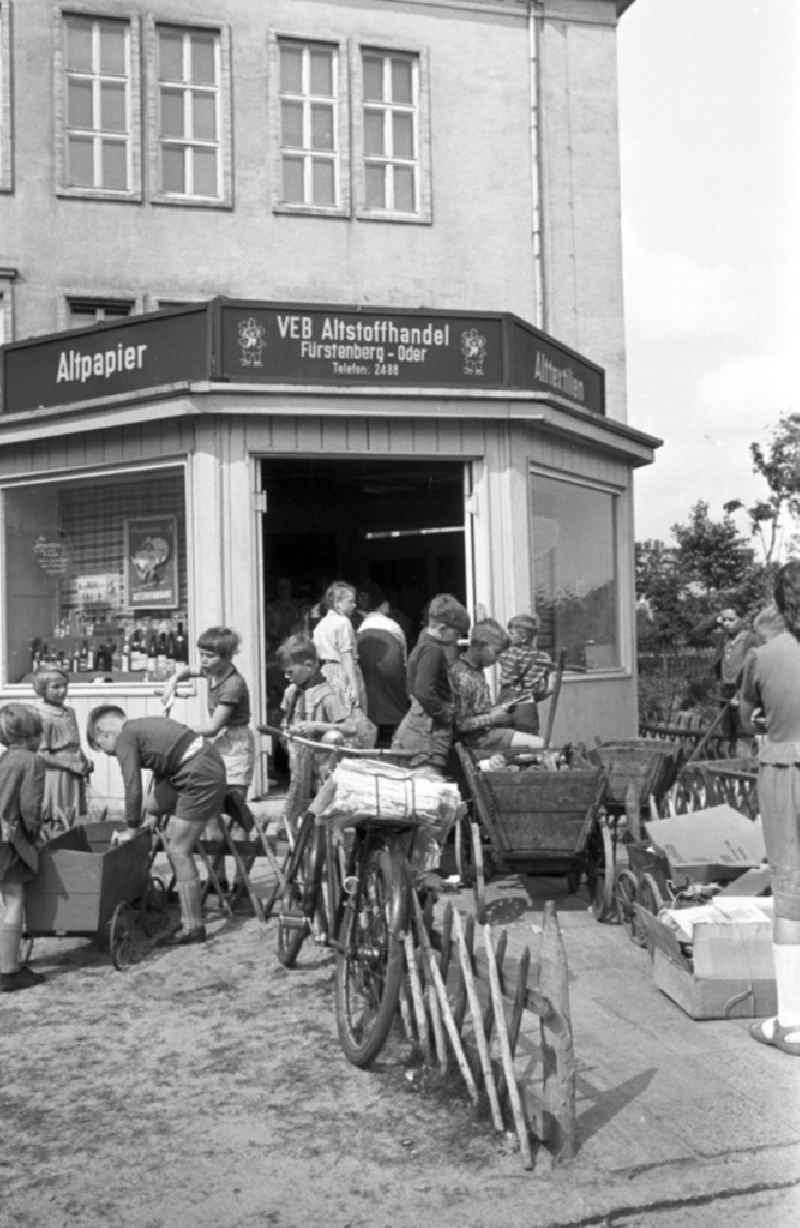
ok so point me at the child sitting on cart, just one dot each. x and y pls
(21, 796)
(311, 708)
(524, 670)
(480, 724)
(189, 780)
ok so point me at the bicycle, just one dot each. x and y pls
(356, 899)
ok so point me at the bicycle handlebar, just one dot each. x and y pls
(335, 747)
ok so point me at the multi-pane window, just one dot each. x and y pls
(97, 127)
(309, 124)
(390, 83)
(82, 311)
(189, 75)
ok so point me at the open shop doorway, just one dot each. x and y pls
(399, 524)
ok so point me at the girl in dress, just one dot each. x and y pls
(337, 649)
(67, 767)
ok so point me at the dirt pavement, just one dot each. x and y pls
(206, 1087)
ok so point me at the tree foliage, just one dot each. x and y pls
(683, 587)
(778, 462)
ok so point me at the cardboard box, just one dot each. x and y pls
(730, 973)
(713, 845)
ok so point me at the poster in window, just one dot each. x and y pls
(151, 562)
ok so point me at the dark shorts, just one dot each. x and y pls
(200, 786)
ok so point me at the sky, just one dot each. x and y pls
(710, 161)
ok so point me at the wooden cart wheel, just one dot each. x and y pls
(649, 895)
(601, 879)
(626, 886)
(121, 936)
(479, 885)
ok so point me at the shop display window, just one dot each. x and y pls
(575, 571)
(96, 576)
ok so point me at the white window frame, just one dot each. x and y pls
(7, 279)
(133, 192)
(99, 299)
(341, 154)
(224, 140)
(420, 109)
(6, 113)
(58, 476)
(616, 495)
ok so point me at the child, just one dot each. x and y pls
(189, 777)
(478, 723)
(67, 767)
(311, 708)
(228, 702)
(21, 792)
(524, 671)
(427, 727)
(335, 643)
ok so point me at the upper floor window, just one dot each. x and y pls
(6, 176)
(309, 157)
(393, 136)
(311, 140)
(7, 279)
(97, 107)
(192, 120)
(83, 311)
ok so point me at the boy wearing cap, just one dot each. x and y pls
(480, 724)
(427, 727)
(524, 670)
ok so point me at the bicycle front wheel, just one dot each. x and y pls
(369, 965)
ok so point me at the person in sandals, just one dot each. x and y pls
(771, 683)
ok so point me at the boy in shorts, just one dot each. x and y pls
(188, 781)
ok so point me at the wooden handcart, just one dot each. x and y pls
(638, 769)
(535, 821)
(87, 888)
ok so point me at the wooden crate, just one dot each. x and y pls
(77, 889)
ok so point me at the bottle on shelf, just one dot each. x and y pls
(138, 658)
(125, 663)
(152, 651)
(171, 656)
(181, 645)
(36, 649)
(83, 656)
(161, 654)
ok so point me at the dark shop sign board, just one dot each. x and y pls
(144, 352)
(250, 342)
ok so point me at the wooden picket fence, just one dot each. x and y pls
(464, 1006)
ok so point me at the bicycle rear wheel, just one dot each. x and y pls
(300, 892)
(369, 965)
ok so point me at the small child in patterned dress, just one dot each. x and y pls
(524, 670)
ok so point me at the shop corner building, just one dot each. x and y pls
(295, 290)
